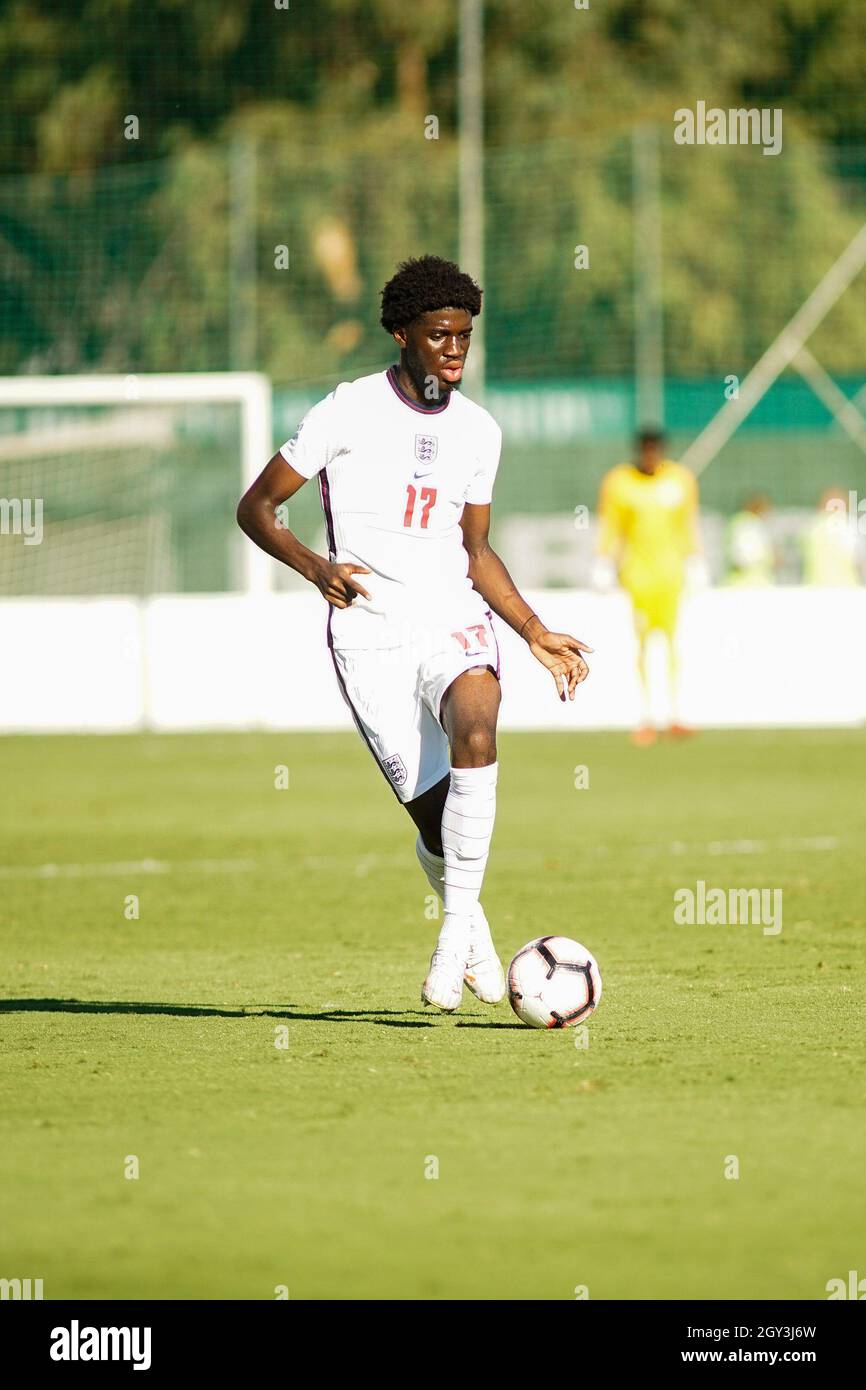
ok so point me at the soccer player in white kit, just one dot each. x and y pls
(406, 467)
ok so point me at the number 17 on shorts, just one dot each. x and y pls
(473, 640)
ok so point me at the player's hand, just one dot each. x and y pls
(561, 655)
(336, 584)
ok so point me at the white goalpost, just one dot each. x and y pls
(131, 426)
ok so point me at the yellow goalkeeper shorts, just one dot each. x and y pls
(656, 607)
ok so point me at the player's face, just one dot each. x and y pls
(650, 456)
(435, 347)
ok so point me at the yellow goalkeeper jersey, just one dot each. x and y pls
(647, 523)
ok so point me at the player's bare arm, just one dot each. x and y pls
(257, 518)
(558, 651)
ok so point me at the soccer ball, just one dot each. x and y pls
(554, 983)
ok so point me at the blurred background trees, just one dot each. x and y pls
(306, 128)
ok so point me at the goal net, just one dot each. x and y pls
(128, 485)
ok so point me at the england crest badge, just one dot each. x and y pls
(426, 448)
(396, 769)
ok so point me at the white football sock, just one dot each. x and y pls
(467, 828)
(433, 866)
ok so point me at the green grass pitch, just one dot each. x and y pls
(304, 909)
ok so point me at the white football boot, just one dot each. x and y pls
(444, 984)
(443, 987)
(484, 974)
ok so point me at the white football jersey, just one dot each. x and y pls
(394, 477)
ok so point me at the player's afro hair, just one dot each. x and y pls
(651, 434)
(424, 284)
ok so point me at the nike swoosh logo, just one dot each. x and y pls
(425, 474)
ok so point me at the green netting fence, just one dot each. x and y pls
(268, 252)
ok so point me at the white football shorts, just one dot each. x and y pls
(395, 695)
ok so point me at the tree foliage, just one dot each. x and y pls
(132, 253)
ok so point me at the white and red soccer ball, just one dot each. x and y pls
(554, 983)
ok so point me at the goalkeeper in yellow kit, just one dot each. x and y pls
(648, 529)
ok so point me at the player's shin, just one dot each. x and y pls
(467, 828)
(483, 973)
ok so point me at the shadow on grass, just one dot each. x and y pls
(488, 1023)
(385, 1018)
